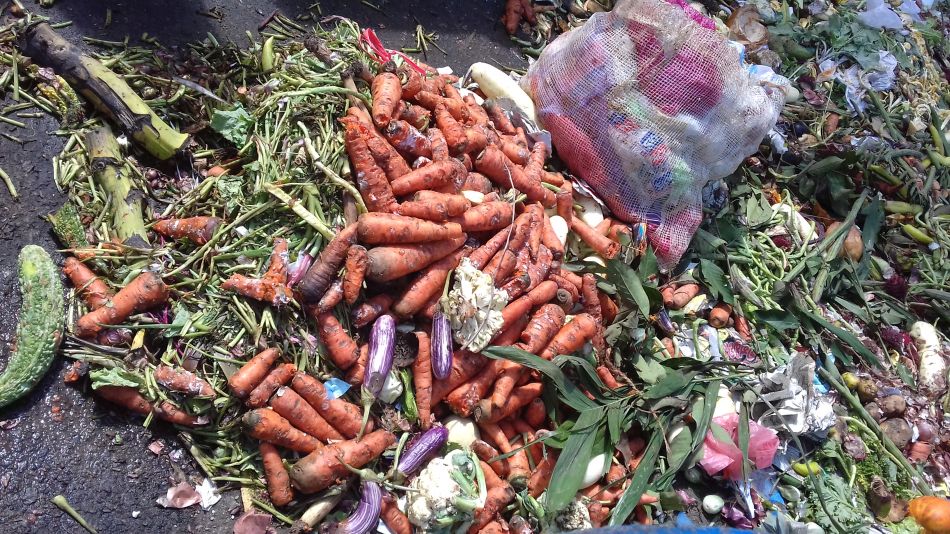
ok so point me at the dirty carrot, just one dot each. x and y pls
(607, 377)
(370, 179)
(272, 286)
(440, 147)
(330, 299)
(544, 324)
(510, 335)
(422, 380)
(523, 305)
(130, 399)
(500, 494)
(485, 253)
(456, 108)
(550, 240)
(534, 413)
(541, 476)
(167, 411)
(407, 139)
(372, 308)
(486, 216)
(428, 283)
(354, 375)
(143, 293)
(418, 116)
(278, 481)
(536, 450)
(355, 271)
(499, 118)
(387, 91)
(565, 203)
(571, 336)
(384, 154)
(413, 83)
(682, 295)
(182, 381)
(518, 468)
(392, 516)
(250, 375)
(266, 425)
(486, 453)
(494, 164)
(323, 271)
(392, 262)
(343, 416)
(453, 131)
(89, 286)
(463, 399)
(322, 468)
(477, 182)
(434, 206)
(388, 228)
(199, 230)
(608, 308)
(719, 315)
(592, 307)
(341, 348)
(465, 365)
(292, 407)
(433, 176)
(520, 398)
(600, 243)
(276, 378)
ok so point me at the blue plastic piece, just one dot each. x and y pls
(336, 388)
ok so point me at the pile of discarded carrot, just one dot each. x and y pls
(355, 289)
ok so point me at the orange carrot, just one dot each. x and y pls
(477, 182)
(456, 108)
(392, 516)
(292, 407)
(392, 262)
(617, 230)
(607, 377)
(143, 293)
(182, 381)
(533, 274)
(215, 171)
(451, 92)
(544, 324)
(518, 469)
(418, 116)
(541, 476)
(520, 397)
(515, 152)
(407, 139)
(252, 373)
(422, 380)
(500, 494)
(682, 295)
(602, 226)
(356, 373)
(341, 349)
(92, 289)
(278, 481)
(502, 265)
(483, 254)
(370, 310)
(536, 297)
(199, 230)
(322, 468)
(498, 526)
(535, 414)
(576, 280)
(370, 179)
(440, 148)
(486, 216)
(130, 399)
(534, 167)
(601, 244)
(330, 299)
(384, 154)
(389, 228)
(571, 336)
(167, 411)
(466, 161)
(343, 416)
(276, 378)
(486, 453)
(465, 365)
(499, 118)
(564, 200)
(476, 140)
(266, 425)
(554, 178)
(355, 272)
(427, 284)
(477, 113)
(608, 308)
(598, 513)
(592, 307)
(323, 271)
(536, 450)
(434, 206)
(453, 131)
(386, 91)
(413, 82)
(742, 327)
(494, 164)
(361, 115)
(463, 399)
(433, 176)
(719, 315)
(510, 335)
(272, 286)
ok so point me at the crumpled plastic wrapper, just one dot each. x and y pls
(184, 495)
(726, 457)
(473, 307)
(798, 408)
(253, 522)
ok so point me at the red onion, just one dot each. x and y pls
(421, 449)
(925, 431)
(382, 343)
(366, 516)
(441, 349)
(299, 268)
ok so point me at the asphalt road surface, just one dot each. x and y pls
(58, 440)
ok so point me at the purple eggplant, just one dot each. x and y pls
(366, 516)
(441, 349)
(664, 322)
(382, 344)
(422, 449)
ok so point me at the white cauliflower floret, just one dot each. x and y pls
(473, 306)
(435, 503)
(574, 517)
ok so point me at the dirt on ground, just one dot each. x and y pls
(59, 440)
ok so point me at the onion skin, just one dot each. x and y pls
(421, 449)
(441, 346)
(366, 515)
(382, 345)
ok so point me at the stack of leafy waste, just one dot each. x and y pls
(289, 241)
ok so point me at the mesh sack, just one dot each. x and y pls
(647, 103)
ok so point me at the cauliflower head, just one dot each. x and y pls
(473, 306)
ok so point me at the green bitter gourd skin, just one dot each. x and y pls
(40, 326)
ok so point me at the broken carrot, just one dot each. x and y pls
(182, 381)
(199, 230)
(541, 476)
(89, 286)
(330, 299)
(322, 468)
(386, 91)
(534, 413)
(393, 518)
(278, 481)
(272, 286)
(392, 262)
(371, 309)
(356, 258)
(323, 271)
(266, 425)
(407, 139)
(143, 293)
(600, 244)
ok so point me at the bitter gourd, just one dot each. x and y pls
(40, 326)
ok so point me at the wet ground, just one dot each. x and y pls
(58, 440)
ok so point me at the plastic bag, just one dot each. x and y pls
(727, 457)
(647, 103)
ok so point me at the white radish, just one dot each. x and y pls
(462, 431)
(592, 214)
(595, 470)
(560, 228)
(475, 197)
(932, 369)
(496, 84)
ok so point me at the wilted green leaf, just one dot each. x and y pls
(569, 393)
(114, 376)
(572, 463)
(233, 124)
(715, 280)
(641, 477)
(628, 284)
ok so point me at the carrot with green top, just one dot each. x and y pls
(145, 292)
(322, 468)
